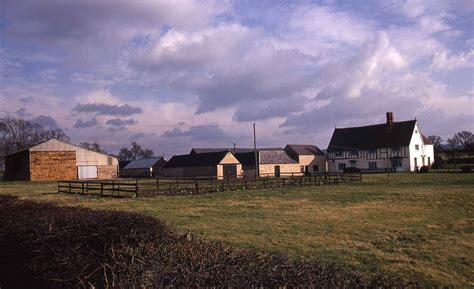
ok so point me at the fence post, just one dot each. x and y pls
(158, 185)
(101, 189)
(196, 186)
(136, 189)
(82, 188)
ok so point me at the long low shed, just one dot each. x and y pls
(57, 160)
(215, 164)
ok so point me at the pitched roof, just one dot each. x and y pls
(372, 136)
(142, 164)
(196, 160)
(275, 157)
(246, 159)
(237, 150)
(304, 149)
(426, 140)
(53, 140)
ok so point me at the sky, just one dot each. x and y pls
(172, 75)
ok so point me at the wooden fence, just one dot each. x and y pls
(202, 185)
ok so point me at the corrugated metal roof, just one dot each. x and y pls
(142, 164)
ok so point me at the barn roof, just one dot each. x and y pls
(237, 150)
(275, 157)
(196, 160)
(372, 136)
(142, 164)
(73, 147)
(304, 149)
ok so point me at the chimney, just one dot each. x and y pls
(389, 119)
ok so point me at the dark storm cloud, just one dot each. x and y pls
(45, 121)
(121, 122)
(85, 124)
(108, 109)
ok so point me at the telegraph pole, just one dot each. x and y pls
(255, 151)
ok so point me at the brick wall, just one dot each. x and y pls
(106, 172)
(50, 166)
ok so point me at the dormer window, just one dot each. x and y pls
(417, 147)
(416, 131)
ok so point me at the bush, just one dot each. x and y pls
(351, 170)
(44, 246)
(424, 169)
(466, 169)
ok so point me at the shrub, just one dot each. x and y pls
(43, 246)
(466, 169)
(351, 170)
(424, 169)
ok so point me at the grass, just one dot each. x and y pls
(418, 225)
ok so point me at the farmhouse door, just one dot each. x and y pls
(230, 171)
(87, 172)
(277, 171)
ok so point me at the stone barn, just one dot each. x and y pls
(57, 160)
(144, 168)
(221, 164)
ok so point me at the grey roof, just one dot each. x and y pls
(237, 150)
(142, 164)
(304, 149)
(275, 157)
(196, 160)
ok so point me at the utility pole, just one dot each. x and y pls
(255, 151)
(234, 148)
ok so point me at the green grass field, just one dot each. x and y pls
(418, 225)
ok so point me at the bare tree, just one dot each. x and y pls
(95, 146)
(437, 141)
(464, 139)
(17, 134)
(134, 153)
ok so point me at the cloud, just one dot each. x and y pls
(45, 121)
(198, 133)
(107, 109)
(85, 124)
(121, 122)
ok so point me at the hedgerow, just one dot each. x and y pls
(43, 245)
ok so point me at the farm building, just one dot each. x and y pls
(146, 168)
(58, 160)
(213, 164)
(271, 161)
(392, 145)
(310, 158)
(276, 163)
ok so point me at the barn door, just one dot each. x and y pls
(230, 171)
(87, 172)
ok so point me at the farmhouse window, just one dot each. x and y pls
(372, 151)
(417, 147)
(353, 164)
(354, 152)
(342, 166)
(338, 153)
(315, 168)
(416, 163)
(372, 165)
(396, 163)
(396, 149)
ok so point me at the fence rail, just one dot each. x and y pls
(200, 185)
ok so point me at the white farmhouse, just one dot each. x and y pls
(397, 145)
